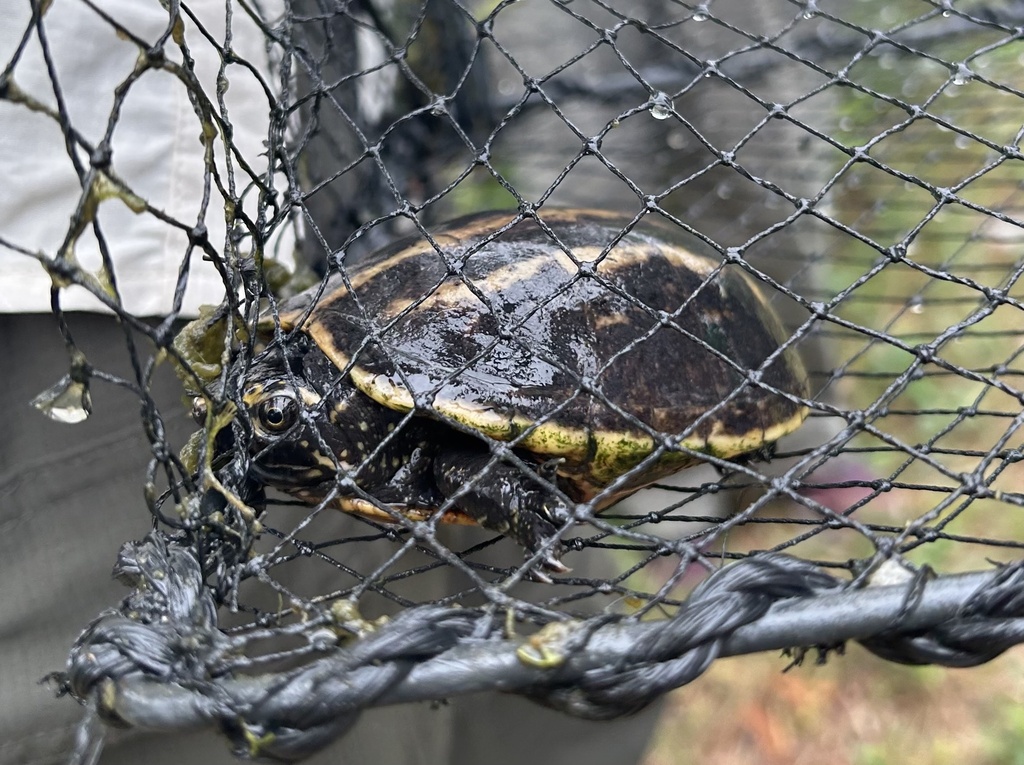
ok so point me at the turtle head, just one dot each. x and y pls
(294, 441)
(309, 423)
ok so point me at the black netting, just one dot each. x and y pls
(859, 162)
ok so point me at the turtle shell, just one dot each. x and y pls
(569, 336)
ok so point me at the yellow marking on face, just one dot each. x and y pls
(254, 394)
(330, 462)
(310, 398)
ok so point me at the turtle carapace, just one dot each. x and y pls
(476, 370)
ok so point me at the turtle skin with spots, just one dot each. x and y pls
(506, 367)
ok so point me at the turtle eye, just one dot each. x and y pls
(199, 409)
(277, 414)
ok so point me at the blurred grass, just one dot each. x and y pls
(953, 410)
(857, 709)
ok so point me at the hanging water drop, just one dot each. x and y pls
(962, 75)
(68, 401)
(661, 106)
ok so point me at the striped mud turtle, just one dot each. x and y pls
(506, 355)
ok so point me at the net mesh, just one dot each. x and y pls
(860, 161)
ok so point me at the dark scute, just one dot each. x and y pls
(671, 375)
(525, 348)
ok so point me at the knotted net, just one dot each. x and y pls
(861, 162)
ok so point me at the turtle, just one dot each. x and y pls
(508, 367)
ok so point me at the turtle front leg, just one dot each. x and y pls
(504, 499)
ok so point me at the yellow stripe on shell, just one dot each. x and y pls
(489, 224)
(613, 452)
(458, 293)
(361, 277)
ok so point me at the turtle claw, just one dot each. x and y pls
(535, 531)
(508, 503)
(548, 469)
(548, 562)
(538, 576)
(554, 565)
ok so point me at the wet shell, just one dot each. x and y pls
(568, 338)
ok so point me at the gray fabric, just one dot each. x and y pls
(70, 495)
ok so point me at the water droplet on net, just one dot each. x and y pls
(68, 401)
(661, 106)
(962, 75)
